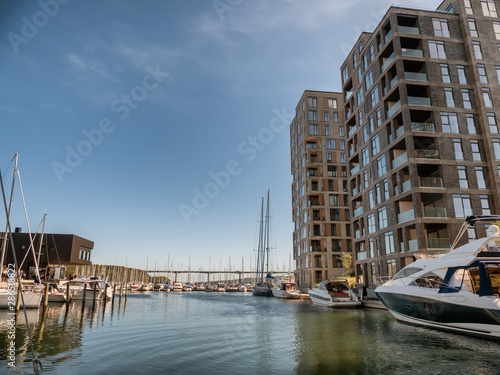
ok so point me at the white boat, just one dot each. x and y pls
(78, 286)
(334, 293)
(177, 287)
(232, 288)
(286, 288)
(457, 291)
(221, 288)
(31, 299)
(242, 289)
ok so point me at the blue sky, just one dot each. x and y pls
(122, 111)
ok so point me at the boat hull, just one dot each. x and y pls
(286, 294)
(262, 291)
(31, 300)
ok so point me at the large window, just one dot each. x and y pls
(382, 217)
(445, 73)
(485, 205)
(359, 95)
(369, 79)
(488, 102)
(462, 177)
(478, 52)
(468, 7)
(472, 27)
(437, 49)
(441, 27)
(496, 29)
(371, 224)
(365, 156)
(457, 147)
(330, 144)
(374, 97)
(462, 205)
(389, 243)
(449, 122)
(483, 77)
(476, 152)
(312, 102)
(313, 129)
(375, 145)
(492, 121)
(471, 124)
(489, 8)
(381, 165)
(466, 99)
(450, 102)
(313, 115)
(332, 103)
(462, 78)
(481, 182)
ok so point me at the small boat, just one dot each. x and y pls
(242, 288)
(209, 288)
(334, 293)
(457, 291)
(177, 287)
(286, 288)
(232, 288)
(32, 298)
(221, 288)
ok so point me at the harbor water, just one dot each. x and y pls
(235, 333)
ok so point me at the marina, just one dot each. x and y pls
(236, 333)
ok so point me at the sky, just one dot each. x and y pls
(155, 128)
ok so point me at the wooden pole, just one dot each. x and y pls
(84, 293)
(114, 292)
(18, 300)
(68, 296)
(46, 295)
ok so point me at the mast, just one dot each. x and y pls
(260, 256)
(41, 239)
(267, 234)
(7, 229)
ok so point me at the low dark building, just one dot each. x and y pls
(67, 249)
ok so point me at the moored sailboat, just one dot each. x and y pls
(263, 284)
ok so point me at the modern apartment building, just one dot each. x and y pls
(320, 190)
(422, 100)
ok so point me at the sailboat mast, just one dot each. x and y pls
(7, 229)
(267, 233)
(41, 239)
(260, 255)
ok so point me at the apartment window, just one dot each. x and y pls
(391, 267)
(342, 144)
(371, 224)
(328, 157)
(389, 243)
(341, 131)
(462, 177)
(371, 199)
(497, 69)
(466, 99)
(472, 27)
(360, 74)
(371, 123)
(496, 29)
(468, 7)
(365, 61)
(449, 122)
(335, 117)
(374, 97)
(461, 203)
(437, 49)
(359, 95)
(375, 145)
(457, 147)
(355, 59)
(481, 182)
(381, 165)
(332, 103)
(369, 79)
(345, 74)
(330, 144)
(471, 125)
(378, 113)
(382, 217)
(365, 156)
(332, 169)
(445, 73)
(477, 50)
(488, 103)
(386, 189)
(312, 102)
(471, 234)
(489, 9)
(334, 200)
(441, 27)
(450, 102)
(313, 115)
(492, 122)
(365, 178)
(342, 158)
(483, 77)
(462, 78)
(476, 153)
(366, 134)
(327, 129)
(496, 148)
(485, 205)
(372, 52)
(313, 129)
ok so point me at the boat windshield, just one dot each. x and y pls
(407, 271)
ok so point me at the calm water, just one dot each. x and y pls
(209, 333)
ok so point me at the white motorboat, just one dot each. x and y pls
(231, 288)
(177, 287)
(221, 288)
(31, 299)
(457, 291)
(242, 289)
(286, 288)
(334, 293)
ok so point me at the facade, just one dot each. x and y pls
(422, 109)
(320, 195)
(57, 249)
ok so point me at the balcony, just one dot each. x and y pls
(393, 109)
(406, 186)
(427, 154)
(361, 255)
(354, 170)
(354, 192)
(431, 182)
(400, 131)
(313, 202)
(358, 211)
(438, 243)
(406, 216)
(400, 160)
(416, 76)
(409, 30)
(388, 62)
(423, 127)
(312, 174)
(388, 36)
(412, 52)
(412, 245)
(348, 94)
(314, 248)
(311, 146)
(352, 130)
(435, 212)
(418, 100)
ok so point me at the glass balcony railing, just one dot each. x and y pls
(423, 127)
(416, 76)
(406, 186)
(438, 243)
(418, 100)
(314, 248)
(310, 146)
(352, 130)
(354, 170)
(400, 131)
(412, 245)
(358, 211)
(394, 81)
(412, 52)
(313, 202)
(312, 174)
(402, 246)
(393, 109)
(348, 95)
(435, 212)
(388, 36)
(351, 152)
(431, 182)
(409, 30)
(354, 191)
(399, 160)
(427, 154)
(406, 216)
(388, 62)
(361, 255)
(357, 234)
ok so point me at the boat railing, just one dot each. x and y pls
(380, 280)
